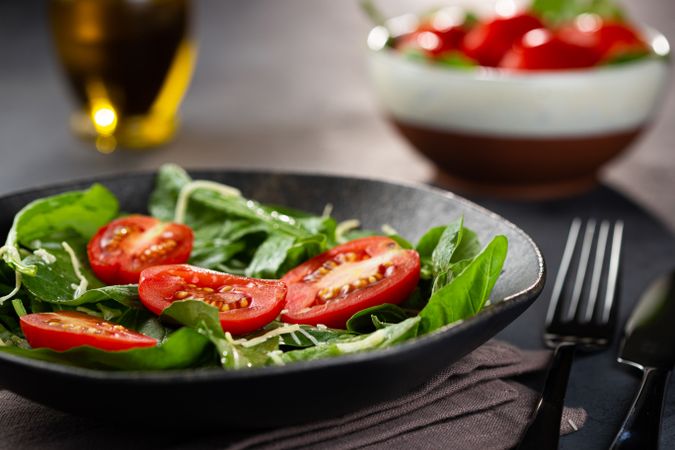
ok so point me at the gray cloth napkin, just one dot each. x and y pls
(474, 403)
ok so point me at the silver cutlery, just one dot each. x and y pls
(581, 315)
(649, 345)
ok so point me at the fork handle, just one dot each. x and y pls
(544, 430)
(640, 429)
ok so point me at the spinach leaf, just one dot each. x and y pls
(183, 349)
(373, 318)
(203, 318)
(57, 282)
(467, 292)
(269, 257)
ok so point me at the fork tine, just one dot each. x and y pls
(600, 251)
(613, 276)
(565, 262)
(581, 269)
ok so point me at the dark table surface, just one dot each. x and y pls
(267, 93)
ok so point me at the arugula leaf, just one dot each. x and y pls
(183, 349)
(466, 293)
(384, 337)
(373, 318)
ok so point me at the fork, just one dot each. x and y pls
(570, 325)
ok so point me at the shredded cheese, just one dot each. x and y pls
(276, 358)
(188, 189)
(344, 227)
(13, 253)
(45, 256)
(82, 287)
(388, 229)
(270, 334)
(309, 336)
(327, 210)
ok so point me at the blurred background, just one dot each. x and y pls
(279, 85)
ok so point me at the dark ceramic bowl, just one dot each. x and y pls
(522, 134)
(315, 389)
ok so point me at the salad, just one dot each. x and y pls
(212, 279)
(548, 35)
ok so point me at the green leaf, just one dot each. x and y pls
(369, 319)
(81, 211)
(456, 60)
(183, 349)
(56, 282)
(466, 294)
(448, 242)
(556, 12)
(384, 337)
(204, 319)
(269, 257)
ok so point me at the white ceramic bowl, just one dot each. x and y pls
(518, 133)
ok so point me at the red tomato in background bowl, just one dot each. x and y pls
(488, 42)
(329, 288)
(541, 49)
(609, 39)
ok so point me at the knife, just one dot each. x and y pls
(649, 345)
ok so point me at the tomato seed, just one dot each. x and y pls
(181, 295)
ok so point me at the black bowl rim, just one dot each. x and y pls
(209, 375)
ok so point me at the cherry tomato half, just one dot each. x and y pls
(245, 304)
(540, 49)
(63, 330)
(488, 42)
(329, 288)
(122, 249)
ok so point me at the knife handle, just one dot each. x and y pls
(640, 429)
(544, 430)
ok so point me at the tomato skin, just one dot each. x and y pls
(542, 50)
(372, 252)
(64, 330)
(119, 251)
(609, 40)
(159, 286)
(488, 42)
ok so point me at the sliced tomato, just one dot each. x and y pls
(64, 330)
(245, 304)
(540, 49)
(488, 42)
(329, 288)
(122, 249)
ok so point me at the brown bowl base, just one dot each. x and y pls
(508, 166)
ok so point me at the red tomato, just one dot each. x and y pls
(63, 330)
(488, 42)
(329, 288)
(541, 50)
(433, 42)
(245, 304)
(122, 249)
(610, 40)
